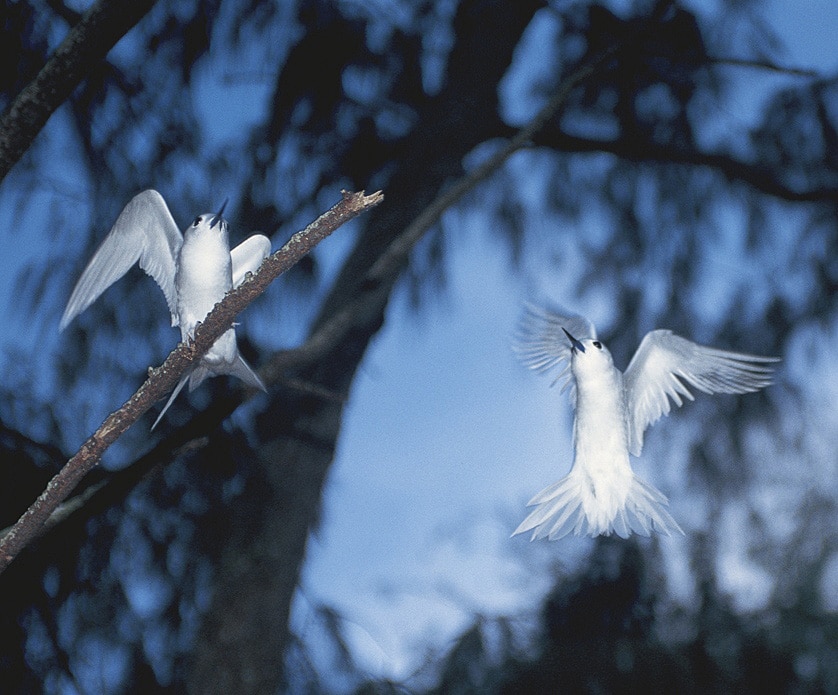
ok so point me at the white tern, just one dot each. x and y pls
(602, 494)
(194, 269)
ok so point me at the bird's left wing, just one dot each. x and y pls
(144, 232)
(541, 344)
(248, 256)
(665, 364)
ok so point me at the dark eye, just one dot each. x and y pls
(597, 345)
(197, 221)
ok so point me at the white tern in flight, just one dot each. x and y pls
(602, 494)
(194, 269)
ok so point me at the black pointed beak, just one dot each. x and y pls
(215, 220)
(574, 344)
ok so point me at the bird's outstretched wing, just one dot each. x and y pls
(665, 364)
(541, 344)
(248, 256)
(144, 232)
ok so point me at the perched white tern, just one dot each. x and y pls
(194, 269)
(602, 494)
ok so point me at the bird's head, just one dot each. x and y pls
(588, 353)
(209, 222)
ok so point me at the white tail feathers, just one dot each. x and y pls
(570, 505)
(239, 368)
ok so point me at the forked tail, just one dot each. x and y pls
(570, 505)
(239, 368)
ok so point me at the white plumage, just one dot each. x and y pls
(601, 494)
(194, 269)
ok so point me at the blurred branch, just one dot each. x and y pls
(86, 45)
(164, 378)
(389, 263)
(764, 65)
(757, 175)
(68, 14)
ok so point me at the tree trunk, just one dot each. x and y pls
(245, 633)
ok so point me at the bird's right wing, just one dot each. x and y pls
(248, 256)
(144, 232)
(541, 344)
(665, 364)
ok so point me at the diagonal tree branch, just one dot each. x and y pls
(87, 44)
(163, 379)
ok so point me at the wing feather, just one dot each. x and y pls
(541, 344)
(248, 256)
(665, 365)
(144, 231)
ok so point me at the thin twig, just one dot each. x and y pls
(164, 378)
